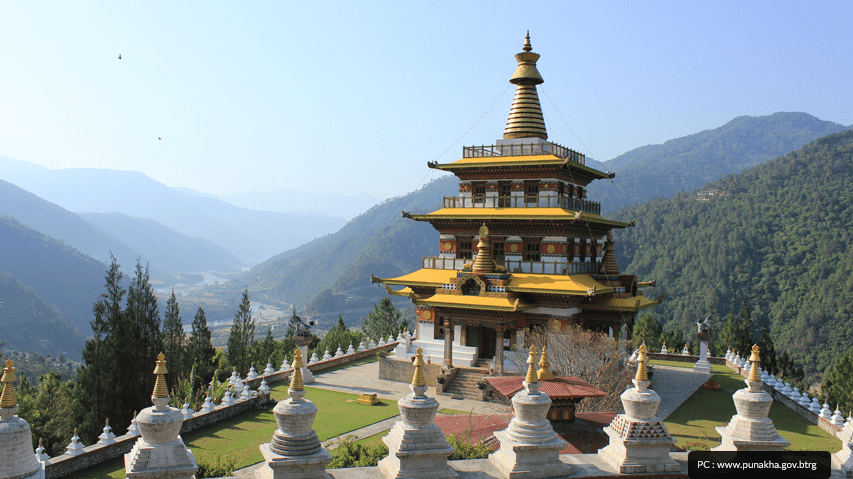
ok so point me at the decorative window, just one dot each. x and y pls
(471, 288)
(532, 248)
(479, 191)
(464, 247)
(498, 250)
(531, 191)
(504, 194)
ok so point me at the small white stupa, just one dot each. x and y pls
(663, 349)
(107, 436)
(350, 349)
(750, 429)
(74, 448)
(133, 429)
(815, 406)
(326, 355)
(269, 370)
(284, 366)
(253, 374)
(339, 353)
(40, 454)
(208, 406)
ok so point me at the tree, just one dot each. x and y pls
(648, 329)
(839, 383)
(139, 344)
(242, 337)
(174, 341)
(737, 332)
(382, 321)
(339, 337)
(48, 410)
(767, 351)
(200, 348)
(264, 350)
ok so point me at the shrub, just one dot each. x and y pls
(220, 466)
(463, 449)
(351, 454)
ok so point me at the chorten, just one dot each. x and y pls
(416, 446)
(295, 451)
(529, 448)
(160, 452)
(639, 441)
(750, 429)
(17, 458)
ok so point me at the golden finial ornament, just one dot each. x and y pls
(754, 375)
(7, 397)
(525, 115)
(484, 263)
(418, 378)
(544, 372)
(531, 377)
(296, 380)
(160, 390)
(642, 373)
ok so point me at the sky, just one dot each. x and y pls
(349, 97)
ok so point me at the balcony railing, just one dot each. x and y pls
(516, 266)
(545, 148)
(480, 201)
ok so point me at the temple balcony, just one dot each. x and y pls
(522, 201)
(522, 149)
(517, 266)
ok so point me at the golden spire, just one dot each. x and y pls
(296, 380)
(484, 263)
(544, 372)
(754, 375)
(532, 377)
(525, 115)
(642, 374)
(160, 390)
(418, 378)
(7, 397)
(608, 261)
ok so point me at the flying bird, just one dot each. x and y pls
(159, 138)
(119, 56)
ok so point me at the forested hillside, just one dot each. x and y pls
(324, 273)
(689, 162)
(778, 236)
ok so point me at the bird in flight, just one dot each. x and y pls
(159, 138)
(119, 56)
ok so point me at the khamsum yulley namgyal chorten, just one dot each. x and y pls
(520, 246)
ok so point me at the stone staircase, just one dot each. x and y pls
(464, 383)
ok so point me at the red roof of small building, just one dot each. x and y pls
(562, 387)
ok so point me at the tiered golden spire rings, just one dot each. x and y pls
(754, 359)
(484, 263)
(544, 372)
(160, 390)
(525, 115)
(418, 378)
(642, 373)
(296, 380)
(7, 397)
(531, 377)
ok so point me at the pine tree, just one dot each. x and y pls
(242, 337)
(200, 350)
(382, 321)
(649, 330)
(139, 343)
(174, 341)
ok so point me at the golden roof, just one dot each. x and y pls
(576, 284)
(478, 302)
(538, 213)
(634, 303)
(525, 115)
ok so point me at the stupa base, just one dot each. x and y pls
(311, 466)
(530, 460)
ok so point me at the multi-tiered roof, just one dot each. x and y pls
(521, 243)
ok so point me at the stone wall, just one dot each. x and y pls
(403, 370)
(65, 465)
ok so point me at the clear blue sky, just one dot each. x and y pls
(351, 97)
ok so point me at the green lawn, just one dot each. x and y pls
(338, 413)
(696, 419)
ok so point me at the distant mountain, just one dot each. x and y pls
(47, 290)
(778, 236)
(65, 226)
(249, 235)
(164, 246)
(689, 162)
(304, 203)
(331, 275)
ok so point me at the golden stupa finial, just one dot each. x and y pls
(642, 373)
(484, 263)
(296, 380)
(754, 359)
(7, 397)
(531, 377)
(418, 378)
(160, 390)
(525, 115)
(544, 372)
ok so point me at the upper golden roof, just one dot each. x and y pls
(525, 115)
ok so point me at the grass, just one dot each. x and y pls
(717, 368)
(696, 419)
(338, 413)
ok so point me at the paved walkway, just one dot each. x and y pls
(673, 384)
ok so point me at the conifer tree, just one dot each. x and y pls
(242, 336)
(200, 350)
(382, 321)
(139, 344)
(174, 341)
